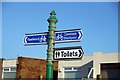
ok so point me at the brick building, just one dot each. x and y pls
(33, 68)
(97, 65)
(25, 68)
(1, 62)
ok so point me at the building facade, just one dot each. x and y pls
(99, 65)
(1, 63)
(25, 68)
(32, 68)
(9, 69)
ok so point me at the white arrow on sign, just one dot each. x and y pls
(79, 35)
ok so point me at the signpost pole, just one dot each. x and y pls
(51, 41)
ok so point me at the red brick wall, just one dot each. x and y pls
(1, 62)
(32, 68)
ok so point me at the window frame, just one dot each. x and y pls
(9, 69)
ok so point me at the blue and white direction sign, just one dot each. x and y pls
(60, 36)
(32, 39)
(68, 35)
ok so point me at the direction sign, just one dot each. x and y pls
(68, 53)
(32, 39)
(60, 36)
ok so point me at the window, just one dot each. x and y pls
(9, 69)
(68, 68)
(72, 68)
(9, 72)
(13, 69)
(77, 68)
(72, 72)
(8, 75)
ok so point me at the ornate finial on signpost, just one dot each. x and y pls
(52, 18)
(51, 40)
(53, 13)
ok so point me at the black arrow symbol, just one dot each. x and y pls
(80, 55)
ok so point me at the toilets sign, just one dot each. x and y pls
(68, 53)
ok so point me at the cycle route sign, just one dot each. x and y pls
(60, 37)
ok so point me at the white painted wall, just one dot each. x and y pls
(97, 59)
(9, 63)
(72, 63)
(103, 58)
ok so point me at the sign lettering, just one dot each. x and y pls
(68, 53)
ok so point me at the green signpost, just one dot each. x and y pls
(50, 37)
(51, 40)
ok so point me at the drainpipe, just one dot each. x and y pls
(90, 72)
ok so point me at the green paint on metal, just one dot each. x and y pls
(51, 39)
(52, 19)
